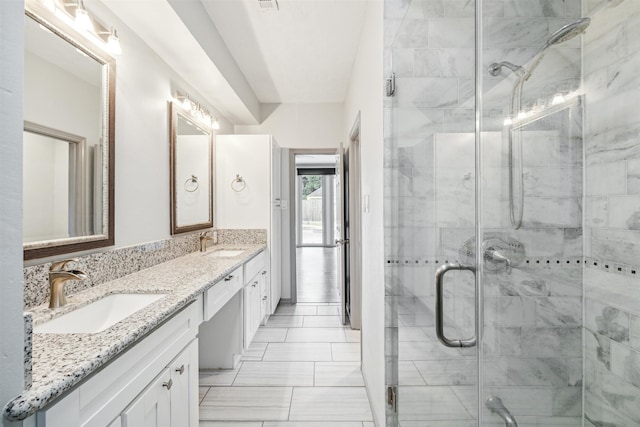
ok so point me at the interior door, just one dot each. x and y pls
(346, 236)
(339, 230)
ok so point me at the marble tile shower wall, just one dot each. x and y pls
(102, 267)
(612, 215)
(533, 316)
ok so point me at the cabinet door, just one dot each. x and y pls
(264, 297)
(256, 305)
(184, 391)
(152, 407)
(246, 311)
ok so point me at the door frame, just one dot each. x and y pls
(292, 217)
(355, 226)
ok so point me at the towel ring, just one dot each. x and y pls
(191, 184)
(238, 184)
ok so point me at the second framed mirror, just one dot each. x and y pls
(191, 172)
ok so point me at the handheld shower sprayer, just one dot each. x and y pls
(562, 35)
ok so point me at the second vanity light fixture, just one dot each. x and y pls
(197, 111)
(75, 13)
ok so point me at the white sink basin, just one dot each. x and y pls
(98, 315)
(226, 253)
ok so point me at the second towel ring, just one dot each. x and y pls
(191, 184)
(238, 184)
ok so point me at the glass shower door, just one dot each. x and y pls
(530, 219)
(430, 212)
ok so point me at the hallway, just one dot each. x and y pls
(301, 370)
(316, 275)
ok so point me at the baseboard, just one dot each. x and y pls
(376, 421)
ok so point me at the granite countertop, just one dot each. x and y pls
(61, 361)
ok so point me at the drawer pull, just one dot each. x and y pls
(168, 384)
(264, 298)
(229, 277)
(180, 369)
(264, 272)
(254, 284)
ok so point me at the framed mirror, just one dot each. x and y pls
(191, 172)
(68, 161)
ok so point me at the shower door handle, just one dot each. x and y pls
(440, 273)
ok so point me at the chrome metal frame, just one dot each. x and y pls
(469, 342)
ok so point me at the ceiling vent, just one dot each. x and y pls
(268, 4)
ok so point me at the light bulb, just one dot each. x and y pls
(50, 4)
(83, 21)
(113, 43)
(522, 115)
(186, 104)
(558, 99)
(508, 121)
(216, 124)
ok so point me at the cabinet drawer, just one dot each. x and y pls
(255, 265)
(218, 295)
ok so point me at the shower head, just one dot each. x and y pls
(568, 32)
(562, 35)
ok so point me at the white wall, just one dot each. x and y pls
(302, 125)
(249, 157)
(365, 95)
(11, 83)
(144, 86)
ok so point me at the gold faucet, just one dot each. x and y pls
(204, 236)
(58, 276)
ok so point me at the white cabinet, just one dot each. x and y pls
(152, 408)
(184, 391)
(257, 159)
(255, 296)
(264, 298)
(112, 396)
(220, 293)
(234, 308)
(168, 401)
(252, 305)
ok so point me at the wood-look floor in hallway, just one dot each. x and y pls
(316, 275)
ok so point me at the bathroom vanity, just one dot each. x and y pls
(143, 370)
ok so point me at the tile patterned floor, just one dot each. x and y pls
(302, 370)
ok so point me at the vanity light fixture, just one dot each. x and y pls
(76, 14)
(83, 21)
(196, 110)
(113, 42)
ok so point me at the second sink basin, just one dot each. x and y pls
(226, 253)
(99, 315)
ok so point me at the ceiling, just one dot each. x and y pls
(243, 59)
(302, 52)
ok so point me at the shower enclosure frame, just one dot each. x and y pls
(479, 256)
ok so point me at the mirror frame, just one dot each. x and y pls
(49, 248)
(174, 111)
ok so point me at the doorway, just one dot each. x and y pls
(314, 260)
